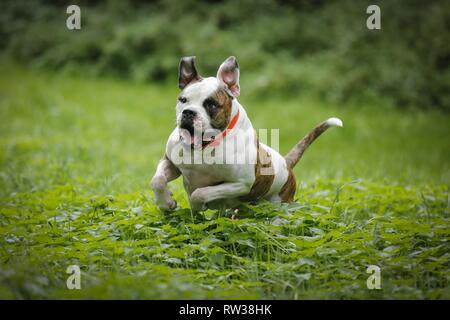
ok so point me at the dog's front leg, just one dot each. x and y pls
(165, 172)
(201, 196)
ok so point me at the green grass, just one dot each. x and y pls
(77, 156)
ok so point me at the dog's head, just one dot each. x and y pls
(205, 104)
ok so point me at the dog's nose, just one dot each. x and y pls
(187, 120)
(189, 113)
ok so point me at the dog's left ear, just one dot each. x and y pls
(229, 73)
(187, 72)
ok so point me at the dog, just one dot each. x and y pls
(208, 117)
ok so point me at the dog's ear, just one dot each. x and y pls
(229, 73)
(187, 72)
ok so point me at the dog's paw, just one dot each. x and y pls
(197, 201)
(167, 205)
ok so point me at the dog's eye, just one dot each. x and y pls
(182, 99)
(209, 103)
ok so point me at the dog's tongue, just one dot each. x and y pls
(196, 140)
(187, 138)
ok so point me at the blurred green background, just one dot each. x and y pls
(301, 62)
(284, 47)
(84, 118)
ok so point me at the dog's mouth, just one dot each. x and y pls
(194, 138)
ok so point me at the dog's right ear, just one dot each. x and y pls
(229, 73)
(187, 72)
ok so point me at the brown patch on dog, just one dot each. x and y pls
(221, 114)
(287, 192)
(264, 175)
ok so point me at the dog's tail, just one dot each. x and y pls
(297, 151)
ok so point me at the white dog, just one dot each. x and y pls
(216, 150)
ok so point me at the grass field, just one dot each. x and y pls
(77, 156)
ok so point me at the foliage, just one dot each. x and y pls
(285, 47)
(76, 156)
(319, 248)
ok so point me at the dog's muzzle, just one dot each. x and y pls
(189, 134)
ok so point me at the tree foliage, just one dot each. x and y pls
(289, 47)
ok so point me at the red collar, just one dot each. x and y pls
(223, 134)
